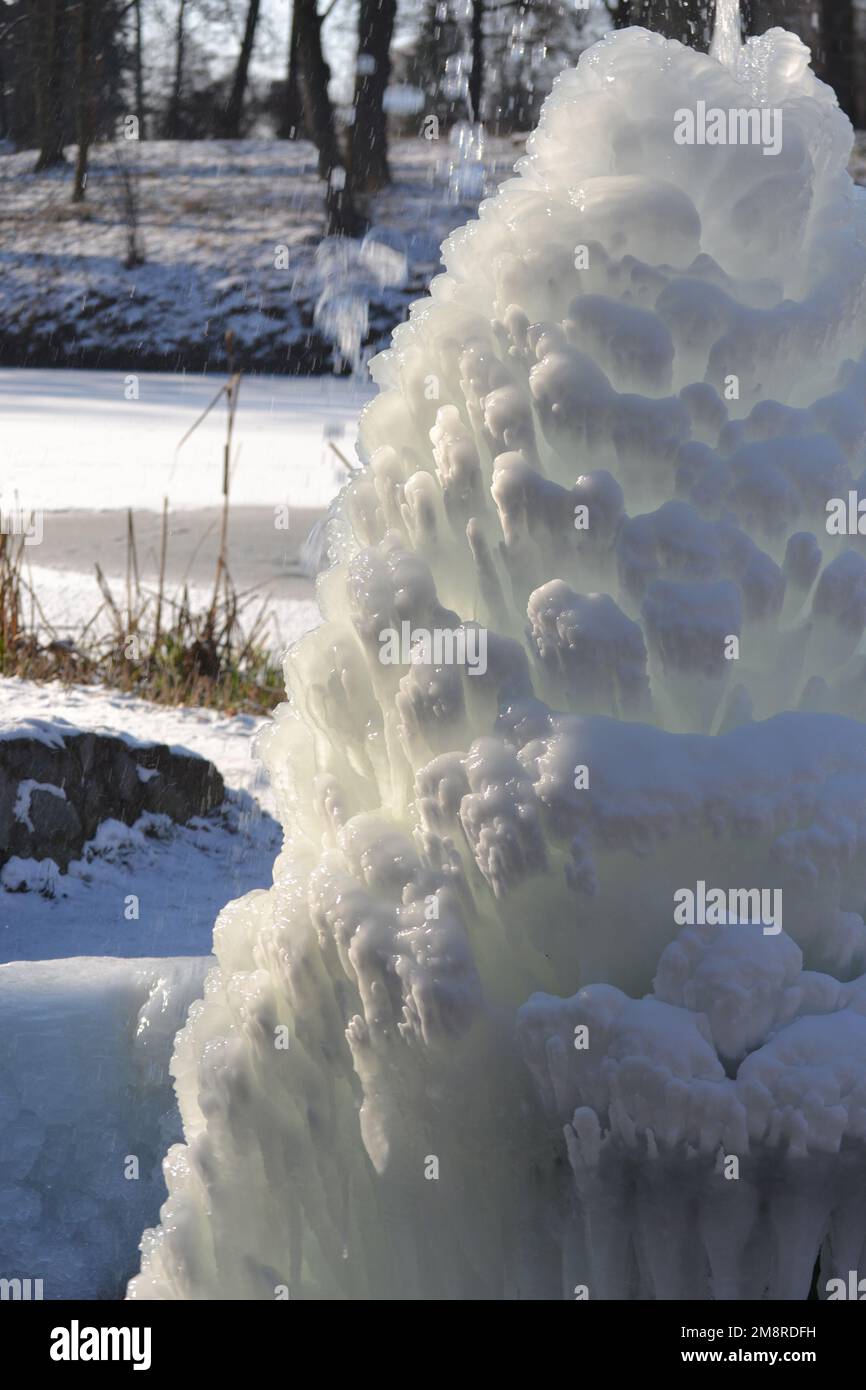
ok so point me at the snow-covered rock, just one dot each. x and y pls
(58, 784)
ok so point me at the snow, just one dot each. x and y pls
(50, 708)
(79, 1161)
(71, 440)
(229, 230)
(638, 1084)
(476, 865)
(21, 808)
(180, 876)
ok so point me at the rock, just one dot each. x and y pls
(58, 784)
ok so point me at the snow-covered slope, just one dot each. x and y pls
(232, 233)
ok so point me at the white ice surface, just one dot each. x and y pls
(84, 1088)
(71, 439)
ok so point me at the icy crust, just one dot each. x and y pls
(674, 690)
(86, 1107)
(731, 1103)
(787, 798)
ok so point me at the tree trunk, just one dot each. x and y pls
(623, 17)
(291, 124)
(172, 124)
(368, 141)
(835, 63)
(313, 78)
(234, 110)
(48, 16)
(686, 20)
(795, 15)
(834, 42)
(476, 75)
(83, 101)
(139, 75)
(4, 119)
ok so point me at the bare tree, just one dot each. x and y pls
(125, 188)
(292, 115)
(368, 141)
(139, 73)
(836, 55)
(833, 41)
(476, 72)
(620, 13)
(172, 123)
(48, 19)
(83, 97)
(795, 15)
(234, 109)
(313, 78)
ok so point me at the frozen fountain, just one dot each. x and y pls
(514, 1020)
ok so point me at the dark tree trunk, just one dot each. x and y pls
(48, 16)
(834, 43)
(291, 124)
(83, 98)
(686, 20)
(234, 110)
(476, 75)
(139, 75)
(4, 119)
(172, 124)
(313, 78)
(795, 15)
(623, 17)
(368, 142)
(836, 54)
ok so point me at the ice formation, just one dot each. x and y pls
(86, 1111)
(609, 439)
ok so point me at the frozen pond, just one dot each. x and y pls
(108, 440)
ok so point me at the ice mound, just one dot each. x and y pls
(714, 1129)
(601, 465)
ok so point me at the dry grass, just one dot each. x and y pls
(149, 642)
(68, 212)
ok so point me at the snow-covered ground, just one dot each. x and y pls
(181, 875)
(232, 234)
